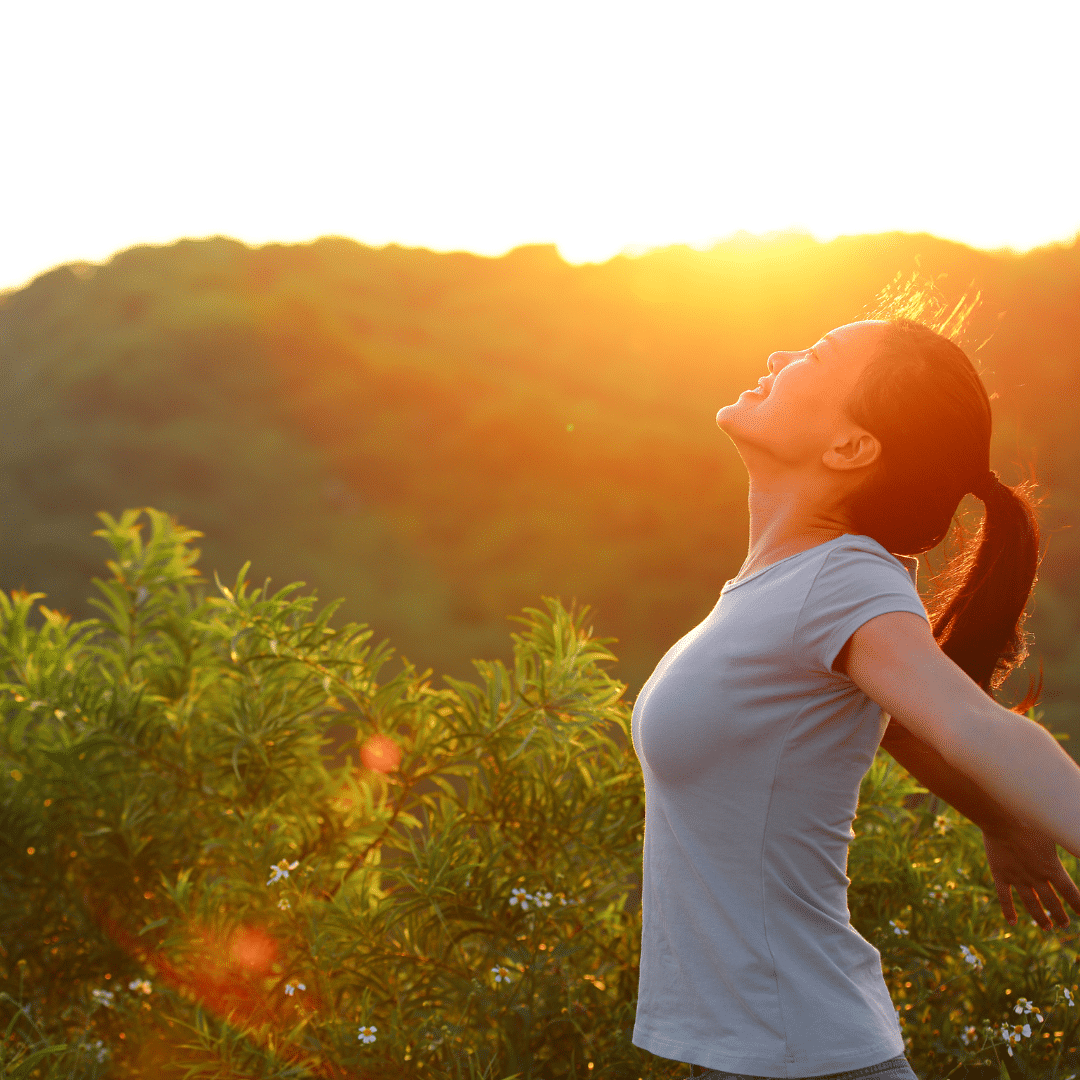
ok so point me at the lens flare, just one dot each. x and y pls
(380, 753)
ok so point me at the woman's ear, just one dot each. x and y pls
(854, 449)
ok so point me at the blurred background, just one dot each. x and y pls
(432, 307)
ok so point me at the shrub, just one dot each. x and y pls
(229, 850)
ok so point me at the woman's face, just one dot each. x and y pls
(796, 415)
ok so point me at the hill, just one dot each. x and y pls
(443, 438)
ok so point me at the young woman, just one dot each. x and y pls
(756, 729)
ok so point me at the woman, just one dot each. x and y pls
(756, 729)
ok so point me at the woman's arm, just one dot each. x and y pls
(1020, 856)
(895, 660)
(946, 782)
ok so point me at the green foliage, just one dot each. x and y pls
(228, 849)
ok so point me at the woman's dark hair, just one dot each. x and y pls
(923, 400)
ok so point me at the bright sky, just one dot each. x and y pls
(598, 125)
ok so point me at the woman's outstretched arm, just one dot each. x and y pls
(944, 780)
(897, 663)
(1020, 856)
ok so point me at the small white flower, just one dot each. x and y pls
(284, 904)
(293, 985)
(281, 870)
(103, 997)
(1015, 1034)
(501, 974)
(1069, 996)
(367, 1034)
(1025, 1006)
(971, 958)
(520, 896)
(898, 929)
(969, 1034)
(98, 1049)
(938, 894)
(140, 986)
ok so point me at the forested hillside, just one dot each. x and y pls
(443, 438)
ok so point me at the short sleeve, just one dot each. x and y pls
(853, 586)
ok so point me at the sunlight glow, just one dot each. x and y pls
(481, 126)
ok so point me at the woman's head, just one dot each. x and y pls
(927, 407)
(884, 426)
(795, 431)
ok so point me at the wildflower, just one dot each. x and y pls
(281, 870)
(938, 894)
(1025, 1006)
(969, 1034)
(1015, 1034)
(1069, 996)
(941, 825)
(103, 997)
(140, 986)
(293, 985)
(898, 930)
(367, 1034)
(520, 896)
(284, 904)
(971, 957)
(501, 974)
(97, 1048)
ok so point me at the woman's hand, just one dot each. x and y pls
(1024, 857)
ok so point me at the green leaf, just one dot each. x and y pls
(23, 1068)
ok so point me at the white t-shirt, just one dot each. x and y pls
(752, 751)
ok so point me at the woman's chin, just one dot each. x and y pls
(747, 397)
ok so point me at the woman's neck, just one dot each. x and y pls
(783, 523)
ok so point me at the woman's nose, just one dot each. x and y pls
(777, 360)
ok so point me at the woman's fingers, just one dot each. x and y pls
(1066, 887)
(1035, 899)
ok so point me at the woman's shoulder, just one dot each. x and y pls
(853, 552)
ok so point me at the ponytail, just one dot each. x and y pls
(977, 612)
